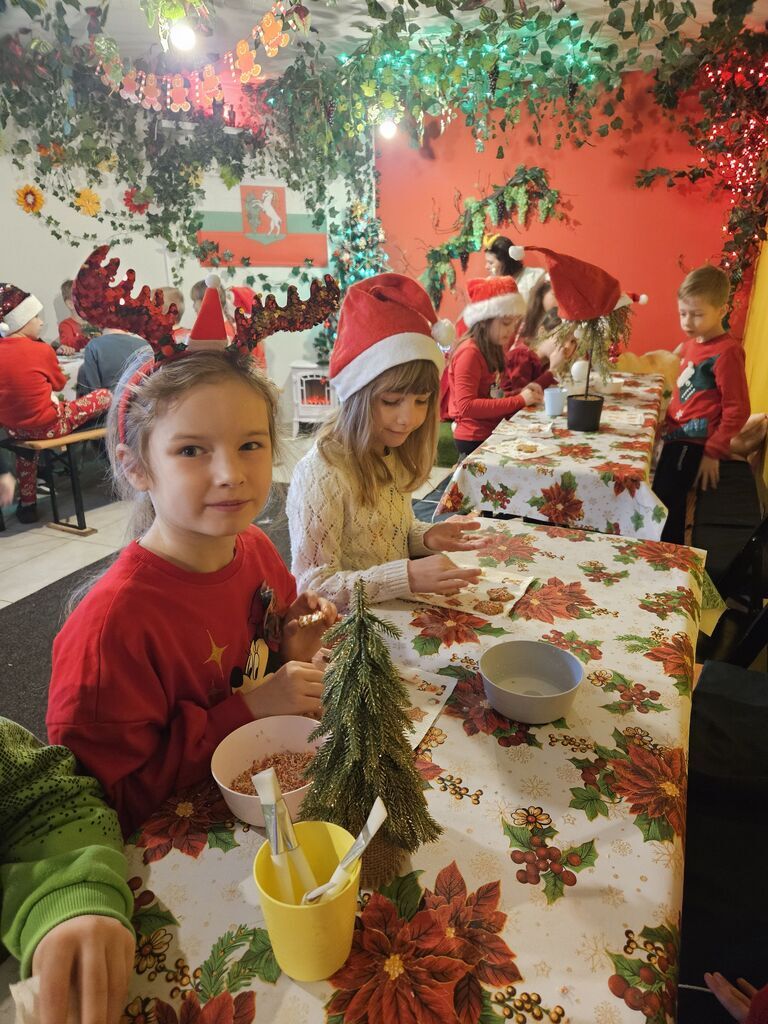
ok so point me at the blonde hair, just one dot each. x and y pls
(66, 290)
(346, 440)
(708, 282)
(198, 290)
(492, 353)
(154, 395)
(173, 296)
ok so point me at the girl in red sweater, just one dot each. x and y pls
(30, 376)
(196, 629)
(477, 399)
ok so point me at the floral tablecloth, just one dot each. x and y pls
(595, 481)
(555, 891)
(70, 366)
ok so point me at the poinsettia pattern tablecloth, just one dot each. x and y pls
(595, 481)
(555, 891)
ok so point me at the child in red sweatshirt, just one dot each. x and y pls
(710, 403)
(74, 333)
(30, 376)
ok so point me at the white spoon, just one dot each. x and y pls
(376, 819)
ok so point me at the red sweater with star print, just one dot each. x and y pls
(475, 413)
(710, 403)
(141, 682)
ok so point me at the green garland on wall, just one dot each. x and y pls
(526, 190)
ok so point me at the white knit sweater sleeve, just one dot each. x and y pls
(323, 525)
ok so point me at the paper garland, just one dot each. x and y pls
(183, 91)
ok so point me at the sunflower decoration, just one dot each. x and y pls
(88, 202)
(30, 198)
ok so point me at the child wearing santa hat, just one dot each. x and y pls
(30, 376)
(477, 401)
(349, 502)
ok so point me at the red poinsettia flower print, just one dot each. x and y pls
(399, 972)
(505, 548)
(625, 478)
(577, 451)
(468, 701)
(662, 555)
(563, 533)
(183, 823)
(222, 1009)
(675, 655)
(654, 782)
(632, 446)
(452, 499)
(561, 505)
(476, 920)
(449, 626)
(553, 600)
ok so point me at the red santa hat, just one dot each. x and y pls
(583, 291)
(243, 297)
(385, 321)
(17, 308)
(490, 297)
(209, 330)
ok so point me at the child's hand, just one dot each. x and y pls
(65, 350)
(295, 689)
(561, 354)
(89, 957)
(532, 394)
(736, 1000)
(709, 473)
(451, 535)
(437, 574)
(300, 642)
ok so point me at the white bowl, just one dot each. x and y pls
(612, 386)
(530, 681)
(252, 742)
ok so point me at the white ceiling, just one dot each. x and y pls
(336, 24)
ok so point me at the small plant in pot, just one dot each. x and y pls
(595, 313)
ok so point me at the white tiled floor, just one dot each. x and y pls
(34, 557)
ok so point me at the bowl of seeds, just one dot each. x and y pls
(280, 742)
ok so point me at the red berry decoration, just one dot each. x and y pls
(618, 985)
(633, 997)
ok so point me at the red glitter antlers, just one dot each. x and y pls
(105, 304)
(297, 315)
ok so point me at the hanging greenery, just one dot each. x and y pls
(726, 70)
(526, 190)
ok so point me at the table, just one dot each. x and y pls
(606, 787)
(594, 481)
(70, 366)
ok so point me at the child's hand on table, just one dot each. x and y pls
(301, 640)
(709, 473)
(437, 574)
(532, 394)
(737, 1001)
(453, 535)
(295, 689)
(89, 957)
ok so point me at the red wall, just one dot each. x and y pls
(648, 238)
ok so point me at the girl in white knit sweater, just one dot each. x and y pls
(349, 503)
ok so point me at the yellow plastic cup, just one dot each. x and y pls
(310, 943)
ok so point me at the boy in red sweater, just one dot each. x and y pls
(30, 376)
(710, 403)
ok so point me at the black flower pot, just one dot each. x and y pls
(584, 413)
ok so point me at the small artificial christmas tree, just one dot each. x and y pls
(366, 753)
(357, 254)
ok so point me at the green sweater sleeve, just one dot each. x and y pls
(61, 850)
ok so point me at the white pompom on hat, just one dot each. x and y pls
(385, 321)
(490, 297)
(516, 252)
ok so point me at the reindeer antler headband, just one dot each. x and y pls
(105, 304)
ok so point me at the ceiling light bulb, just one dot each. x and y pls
(388, 129)
(182, 36)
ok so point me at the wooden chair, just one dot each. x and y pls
(51, 455)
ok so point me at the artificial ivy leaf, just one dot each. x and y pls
(375, 10)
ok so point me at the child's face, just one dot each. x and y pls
(492, 264)
(210, 462)
(396, 416)
(699, 318)
(503, 329)
(33, 328)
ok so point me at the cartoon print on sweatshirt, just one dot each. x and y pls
(264, 625)
(698, 378)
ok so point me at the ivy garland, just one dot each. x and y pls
(527, 188)
(313, 124)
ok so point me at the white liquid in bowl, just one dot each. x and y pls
(530, 686)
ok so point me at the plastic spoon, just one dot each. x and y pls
(376, 819)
